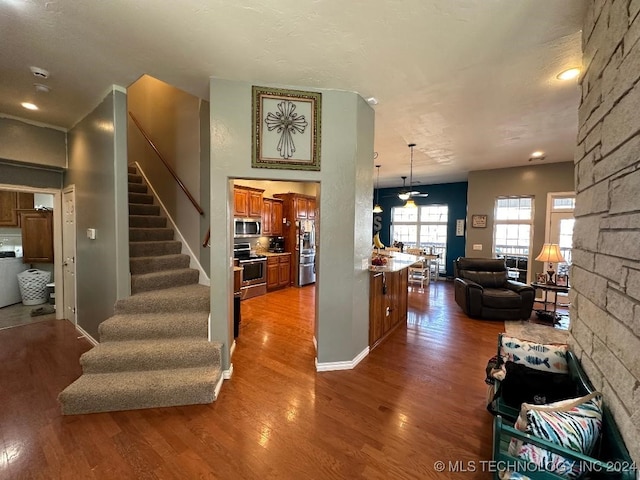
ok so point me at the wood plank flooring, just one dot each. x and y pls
(417, 398)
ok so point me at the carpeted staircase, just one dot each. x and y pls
(154, 352)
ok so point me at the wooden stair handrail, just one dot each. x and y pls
(207, 237)
(171, 170)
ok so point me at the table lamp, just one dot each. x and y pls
(550, 253)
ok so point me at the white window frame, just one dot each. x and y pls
(441, 250)
(518, 221)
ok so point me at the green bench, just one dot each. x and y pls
(610, 460)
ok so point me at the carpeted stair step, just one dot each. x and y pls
(164, 279)
(147, 221)
(143, 209)
(156, 354)
(139, 265)
(151, 249)
(108, 392)
(145, 326)
(188, 298)
(139, 198)
(138, 188)
(150, 234)
(133, 178)
(132, 169)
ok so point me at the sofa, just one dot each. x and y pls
(483, 290)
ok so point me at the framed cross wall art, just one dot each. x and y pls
(286, 129)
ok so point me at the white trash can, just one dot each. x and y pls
(33, 286)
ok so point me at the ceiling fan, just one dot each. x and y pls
(405, 194)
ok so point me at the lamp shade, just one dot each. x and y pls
(410, 204)
(550, 253)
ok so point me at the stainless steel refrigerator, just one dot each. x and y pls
(306, 252)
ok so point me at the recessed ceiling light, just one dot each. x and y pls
(29, 106)
(372, 101)
(537, 154)
(568, 74)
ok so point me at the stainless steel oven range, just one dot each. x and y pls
(254, 271)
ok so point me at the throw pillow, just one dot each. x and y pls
(548, 358)
(574, 424)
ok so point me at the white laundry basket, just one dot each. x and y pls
(33, 286)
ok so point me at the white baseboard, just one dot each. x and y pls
(348, 365)
(216, 391)
(89, 338)
(226, 374)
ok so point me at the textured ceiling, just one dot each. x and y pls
(471, 82)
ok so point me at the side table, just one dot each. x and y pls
(549, 315)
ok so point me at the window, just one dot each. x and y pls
(561, 227)
(422, 227)
(513, 226)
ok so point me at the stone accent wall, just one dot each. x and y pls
(605, 296)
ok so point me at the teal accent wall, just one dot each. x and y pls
(454, 195)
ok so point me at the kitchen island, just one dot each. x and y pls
(388, 293)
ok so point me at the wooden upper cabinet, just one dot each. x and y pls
(267, 209)
(10, 202)
(311, 208)
(301, 204)
(255, 204)
(276, 218)
(272, 211)
(37, 236)
(240, 202)
(247, 201)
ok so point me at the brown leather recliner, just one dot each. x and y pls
(483, 290)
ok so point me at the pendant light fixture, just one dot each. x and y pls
(410, 203)
(377, 208)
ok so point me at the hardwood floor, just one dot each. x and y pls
(417, 398)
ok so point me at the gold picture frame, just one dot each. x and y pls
(479, 221)
(286, 128)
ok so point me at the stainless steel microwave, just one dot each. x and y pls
(246, 227)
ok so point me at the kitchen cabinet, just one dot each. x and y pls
(311, 208)
(272, 210)
(37, 236)
(10, 202)
(301, 205)
(388, 294)
(247, 201)
(298, 206)
(278, 271)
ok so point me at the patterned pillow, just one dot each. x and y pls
(574, 424)
(548, 358)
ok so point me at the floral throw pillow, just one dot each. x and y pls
(574, 424)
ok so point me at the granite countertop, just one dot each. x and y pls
(273, 254)
(396, 261)
(238, 269)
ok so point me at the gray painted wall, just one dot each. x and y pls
(29, 175)
(205, 182)
(171, 118)
(97, 168)
(536, 180)
(345, 196)
(605, 298)
(24, 142)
